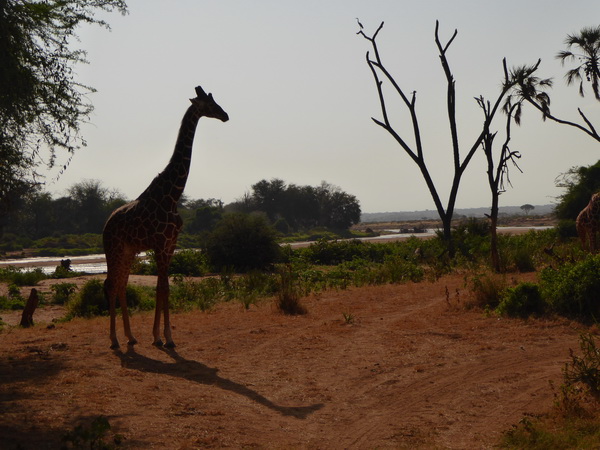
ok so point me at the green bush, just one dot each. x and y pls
(62, 292)
(399, 270)
(332, 252)
(521, 301)
(188, 262)
(574, 288)
(140, 297)
(97, 436)
(63, 270)
(566, 228)
(89, 301)
(242, 242)
(487, 290)
(187, 294)
(11, 303)
(144, 266)
(585, 369)
(474, 227)
(289, 292)
(20, 277)
(522, 258)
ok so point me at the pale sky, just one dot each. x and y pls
(293, 78)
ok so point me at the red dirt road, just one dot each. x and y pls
(412, 370)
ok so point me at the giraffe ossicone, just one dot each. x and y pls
(588, 224)
(151, 222)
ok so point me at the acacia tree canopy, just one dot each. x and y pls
(303, 207)
(41, 102)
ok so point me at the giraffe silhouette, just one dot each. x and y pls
(588, 223)
(151, 222)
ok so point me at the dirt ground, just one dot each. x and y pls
(395, 366)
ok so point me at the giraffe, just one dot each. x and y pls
(588, 223)
(151, 222)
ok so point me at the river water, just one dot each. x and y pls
(94, 264)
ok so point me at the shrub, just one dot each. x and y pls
(331, 252)
(19, 277)
(62, 292)
(90, 300)
(566, 228)
(282, 226)
(140, 297)
(11, 303)
(288, 293)
(187, 294)
(523, 260)
(399, 270)
(242, 242)
(144, 266)
(474, 227)
(487, 290)
(573, 288)
(574, 423)
(585, 369)
(188, 262)
(522, 300)
(469, 243)
(63, 270)
(96, 436)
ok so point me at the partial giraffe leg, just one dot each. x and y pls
(115, 286)
(110, 294)
(122, 295)
(162, 299)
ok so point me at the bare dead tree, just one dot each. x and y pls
(498, 175)
(416, 152)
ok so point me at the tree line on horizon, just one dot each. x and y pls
(88, 204)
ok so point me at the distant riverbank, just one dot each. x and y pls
(95, 264)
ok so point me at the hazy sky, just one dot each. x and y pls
(293, 78)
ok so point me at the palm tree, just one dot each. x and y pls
(523, 86)
(587, 43)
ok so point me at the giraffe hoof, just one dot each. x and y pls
(170, 344)
(132, 342)
(115, 346)
(158, 343)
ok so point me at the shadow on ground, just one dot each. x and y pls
(200, 373)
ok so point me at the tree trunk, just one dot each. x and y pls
(447, 229)
(494, 233)
(32, 302)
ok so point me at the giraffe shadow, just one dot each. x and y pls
(200, 373)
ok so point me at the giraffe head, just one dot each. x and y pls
(207, 106)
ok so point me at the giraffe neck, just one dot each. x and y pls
(169, 184)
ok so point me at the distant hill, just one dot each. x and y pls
(539, 210)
